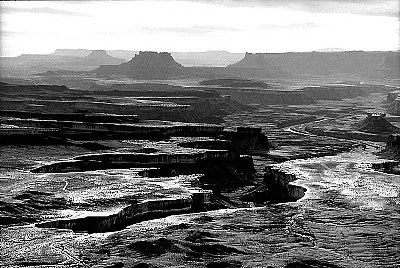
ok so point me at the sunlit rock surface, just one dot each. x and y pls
(348, 218)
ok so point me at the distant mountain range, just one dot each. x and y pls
(211, 58)
(148, 65)
(153, 65)
(68, 60)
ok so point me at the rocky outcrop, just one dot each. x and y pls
(393, 142)
(145, 100)
(392, 167)
(128, 160)
(392, 96)
(393, 102)
(221, 169)
(376, 123)
(154, 59)
(146, 65)
(276, 187)
(146, 210)
(391, 151)
(117, 130)
(246, 140)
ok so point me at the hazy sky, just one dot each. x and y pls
(236, 26)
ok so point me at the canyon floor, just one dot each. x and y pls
(342, 213)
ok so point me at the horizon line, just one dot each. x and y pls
(204, 51)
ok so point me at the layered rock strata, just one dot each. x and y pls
(149, 209)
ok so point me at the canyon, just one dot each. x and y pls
(265, 161)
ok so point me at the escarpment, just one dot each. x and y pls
(276, 187)
(149, 209)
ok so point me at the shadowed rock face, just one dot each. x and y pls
(162, 59)
(254, 65)
(146, 65)
(391, 151)
(276, 187)
(376, 123)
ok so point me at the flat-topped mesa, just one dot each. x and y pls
(146, 65)
(99, 54)
(71, 52)
(252, 60)
(154, 59)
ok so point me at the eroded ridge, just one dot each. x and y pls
(146, 210)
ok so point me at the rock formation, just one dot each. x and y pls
(146, 65)
(376, 123)
(393, 142)
(276, 187)
(154, 59)
(321, 63)
(59, 60)
(99, 55)
(391, 151)
(254, 65)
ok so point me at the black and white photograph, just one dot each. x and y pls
(200, 133)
